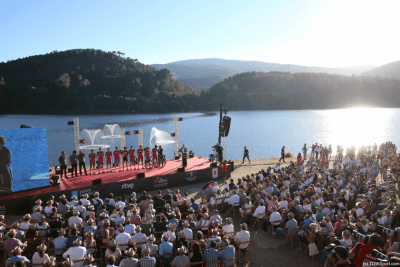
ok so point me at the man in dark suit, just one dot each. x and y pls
(6, 176)
(184, 156)
(159, 203)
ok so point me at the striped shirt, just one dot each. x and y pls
(147, 262)
(211, 255)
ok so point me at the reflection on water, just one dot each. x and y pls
(356, 126)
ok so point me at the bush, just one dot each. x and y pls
(289, 154)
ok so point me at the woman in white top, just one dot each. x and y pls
(204, 223)
(90, 243)
(246, 208)
(42, 226)
(49, 208)
(283, 203)
(228, 228)
(40, 256)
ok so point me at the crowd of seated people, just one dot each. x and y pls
(168, 229)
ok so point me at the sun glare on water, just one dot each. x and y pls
(357, 127)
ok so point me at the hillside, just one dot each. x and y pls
(88, 81)
(283, 90)
(204, 73)
(391, 70)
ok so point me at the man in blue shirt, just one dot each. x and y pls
(227, 253)
(72, 237)
(194, 205)
(211, 255)
(16, 255)
(165, 247)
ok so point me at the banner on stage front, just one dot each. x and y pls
(215, 173)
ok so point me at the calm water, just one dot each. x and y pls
(263, 132)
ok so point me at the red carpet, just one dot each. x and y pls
(86, 180)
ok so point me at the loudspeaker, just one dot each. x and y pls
(214, 165)
(181, 169)
(140, 175)
(69, 169)
(227, 124)
(232, 165)
(96, 182)
(177, 157)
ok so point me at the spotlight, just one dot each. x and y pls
(128, 133)
(55, 180)
(25, 126)
(212, 157)
(180, 119)
(191, 154)
(70, 123)
(58, 169)
(136, 132)
(82, 141)
(173, 134)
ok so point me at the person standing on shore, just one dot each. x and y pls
(63, 162)
(316, 150)
(330, 150)
(82, 163)
(282, 155)
(246, 154)
(312, 151)
(305, 151)
(73, 159)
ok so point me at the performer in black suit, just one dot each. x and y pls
(6, 176)
(184, 156)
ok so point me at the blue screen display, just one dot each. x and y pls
(29, 158)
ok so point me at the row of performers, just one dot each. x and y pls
(156, 152)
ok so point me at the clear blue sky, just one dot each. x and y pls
(305, 32)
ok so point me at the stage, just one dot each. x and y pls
(120, 182)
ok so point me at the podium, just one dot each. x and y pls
(184, 160)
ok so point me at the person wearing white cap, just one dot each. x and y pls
(85, 201)
(130, 261)
(146, 260)
(153, 248)
(40, 256)
(139, 237)
(170, 232)
(75, 219)
(76, 252)
(122, 237)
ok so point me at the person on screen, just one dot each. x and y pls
(6, 176)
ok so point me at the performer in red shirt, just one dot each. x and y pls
(147, 154)
(100, 155)
(109, 158)
(124, 157)
(131, 153)
(154, 152)
(140, 155)
(92, 159)
(116, 159)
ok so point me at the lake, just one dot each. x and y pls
(263, 132)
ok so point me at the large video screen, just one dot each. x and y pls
(28, 166)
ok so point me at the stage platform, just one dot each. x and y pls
(122, 182)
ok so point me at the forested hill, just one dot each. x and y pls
(283, 90)
(88, 81)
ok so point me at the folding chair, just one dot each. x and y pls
(271, 228)
(163, 260)
(231, 260)
(291, 236)
(235, 206)
(196, 263)
(245, 251)
(258, 220)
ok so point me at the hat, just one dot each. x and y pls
(68, 262)
(347, 233)
(244, 225)
(89, 234)
(331, 234)
(86, 195)
(138, 228)
(112, 243)
(229, 220)
(131, 241)
(182, 234)
(89, 258)
(121, 228)
(151, 238)
(319, 208)
(12, 232)
(73, 226)
(62, 231)
(32, 226)
(38, 202)
(56, 215)
(17, 250)
(74, 197)
(182, 249)
(50, 202)
(76, 213)
(103, 215)
(91, 207)
(146, 249)
(77, 242)
(50, 262)
(171, 226)
(339, 215)
(42, 247)
(129, 252)
(96, 194)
